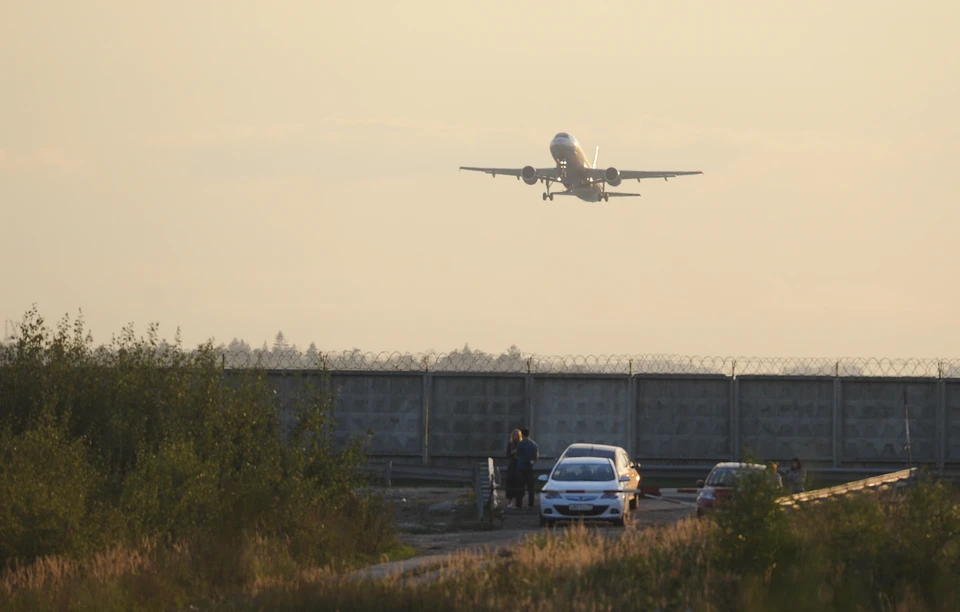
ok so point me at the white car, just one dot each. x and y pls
(587, 488)
(621, 460)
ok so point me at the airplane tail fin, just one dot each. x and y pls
(595, 155)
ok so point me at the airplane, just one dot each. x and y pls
(579, 178)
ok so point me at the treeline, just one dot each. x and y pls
(141, 440)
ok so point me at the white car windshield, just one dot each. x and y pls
(583, 472)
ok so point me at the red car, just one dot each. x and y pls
(721, 482)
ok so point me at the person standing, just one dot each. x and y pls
(527, 454)
(776, 480)
(796, 476)
(514, 490)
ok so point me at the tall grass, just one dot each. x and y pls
(893, 552)
(124, 461)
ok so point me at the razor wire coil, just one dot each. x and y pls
(514, 363)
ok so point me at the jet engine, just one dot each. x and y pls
(529, 175)
(612, 176)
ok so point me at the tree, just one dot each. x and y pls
(280, 344)
(239, 346)
(312, 356)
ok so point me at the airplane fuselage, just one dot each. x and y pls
(568, 154)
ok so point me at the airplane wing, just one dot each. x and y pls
(642, 174)
(612, 194)
(550, 173)
(626, 175)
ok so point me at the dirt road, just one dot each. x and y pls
(438, 522)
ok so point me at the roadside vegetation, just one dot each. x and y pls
(866, 552)
(141, 474)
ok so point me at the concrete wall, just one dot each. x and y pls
(473, 415)
(688, 419)
(952, 421)
(579, 409)
(783, 417)
(873, 420)
(390, 405)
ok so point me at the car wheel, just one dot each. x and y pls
(544, 522)
(620, 522)
(634, 501)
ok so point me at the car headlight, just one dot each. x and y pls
(706, 494)
(610, 494)
(550, 494)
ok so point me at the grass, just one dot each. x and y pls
(153, 576)
(865, 552)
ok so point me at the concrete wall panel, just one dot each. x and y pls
(952, 409)
(784, 418)
(873, 425)
(568, 410)
(683, 418)
(388, 404)
(474, 415)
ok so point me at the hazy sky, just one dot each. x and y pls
(235, 168)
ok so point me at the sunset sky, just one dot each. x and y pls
(239, 168)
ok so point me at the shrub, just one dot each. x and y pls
(142, 438)
(753, 533)
(47, 491)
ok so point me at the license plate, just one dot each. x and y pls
(581, 507)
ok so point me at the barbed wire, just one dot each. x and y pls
(518, 363)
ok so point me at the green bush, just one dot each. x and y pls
(142, 439)
(754, 533)
(48, 491)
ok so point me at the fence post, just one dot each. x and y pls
(734, 418)
(941, 423)
(631, 416)
(528, 400)
(425, 411)
(837, 421)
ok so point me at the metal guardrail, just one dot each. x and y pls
(893, 480)
(465, 475)
(428, 473)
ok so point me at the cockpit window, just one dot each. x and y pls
(562, 135)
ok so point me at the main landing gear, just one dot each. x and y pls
(603, 197)
(547, 193)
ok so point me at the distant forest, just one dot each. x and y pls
(283, 354)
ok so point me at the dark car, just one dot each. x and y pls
(721, 482)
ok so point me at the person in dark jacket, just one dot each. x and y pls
(514, 490)
(527, 454)
(796, 476)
